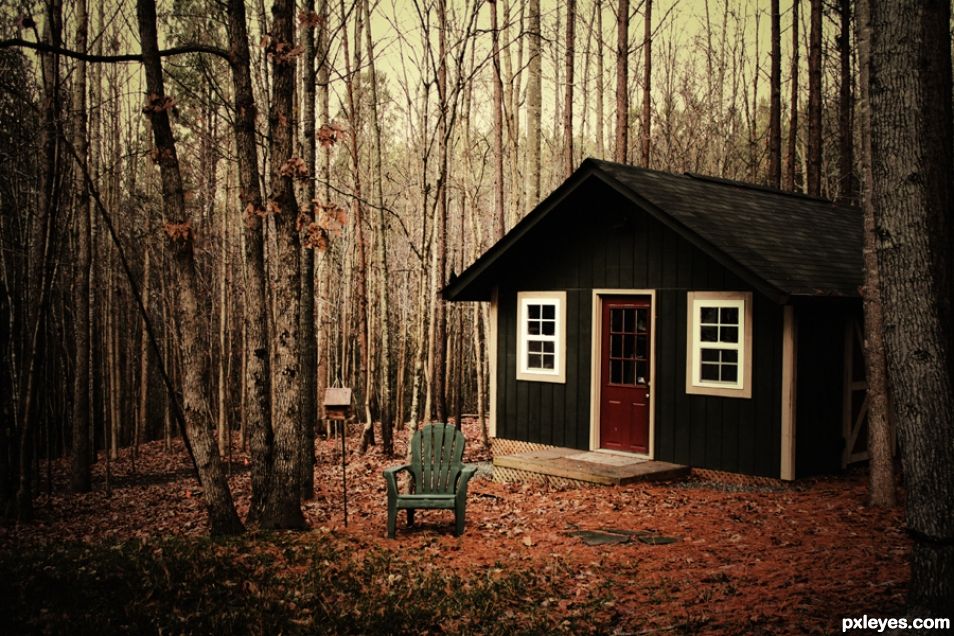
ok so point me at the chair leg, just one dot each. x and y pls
(392, 519)
(410, 517)
(459, 516)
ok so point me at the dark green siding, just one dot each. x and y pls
(598, 240)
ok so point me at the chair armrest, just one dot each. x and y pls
(390, 477)
(466, 472)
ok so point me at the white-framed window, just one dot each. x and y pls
(541, 336)
(719, 344)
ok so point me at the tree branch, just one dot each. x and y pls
(43, 47)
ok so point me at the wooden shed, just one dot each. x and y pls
(681, 318)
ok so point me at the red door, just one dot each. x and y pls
(624, 373)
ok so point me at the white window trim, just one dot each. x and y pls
(558, 373)
(694, 384)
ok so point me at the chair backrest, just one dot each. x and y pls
(436, 452)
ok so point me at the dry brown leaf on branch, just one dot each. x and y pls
(294, 168)
(329, 134)
(177, 231)
(309, 18)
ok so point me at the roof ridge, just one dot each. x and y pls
(721, 181)
(759, 188)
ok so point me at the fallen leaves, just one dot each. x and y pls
(784, 561)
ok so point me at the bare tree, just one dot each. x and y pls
(80, 449)
(178, 228)
(534, 101)
(813, 172)
(381, 246)
(622, 82)
(775, 103)
(847, 183)
(908, 174)
(568, 160)
(792, 163)
(499, 212)
(257, 405)
(282, 501)
(645, 142)
(309, 342)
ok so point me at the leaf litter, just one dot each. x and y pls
(691, 556)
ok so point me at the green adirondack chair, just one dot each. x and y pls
(438, 478)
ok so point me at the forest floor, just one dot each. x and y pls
(789, 559)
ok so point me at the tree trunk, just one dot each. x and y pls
(622, 82)
(143, 411)
(380, 245)
(534, 101)
(361, 288)
(42, 255)
(813, 172)
(600, 86)
(499, 213)
(79, 451)
(906, 86)
(325, 341)
(791, 174)
(647, 84)
(847, 185)
(283, 501)
(568, 159)
(215, 488)
(775, 104)
(309, 342)
(257, 405)
(438, 364)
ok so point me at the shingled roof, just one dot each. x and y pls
(784, 244)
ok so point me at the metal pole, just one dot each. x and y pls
(344, 474)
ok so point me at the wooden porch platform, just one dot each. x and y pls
(596, 467)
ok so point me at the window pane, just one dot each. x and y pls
(729, 334)
(641, 346)
(533, 327)
(710, 315)
(548, 347)
(729, 315)
(616, 346)
(710, 355)
(730, 373)
(628, 343)
(641, 315)
(709, 334)
(629, 372)
(616, 320)
(710, 372)
(549, 312)
(616, 371)
(730, 356)
(549, 360)
(533, 311)
(641, 374)
(629, 322)
(534, 361)
(533, 346)
(548, 327)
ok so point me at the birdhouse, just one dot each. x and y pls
(337, 403)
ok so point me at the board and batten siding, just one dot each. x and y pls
(598, 240)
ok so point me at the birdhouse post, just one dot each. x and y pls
(337, 408)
